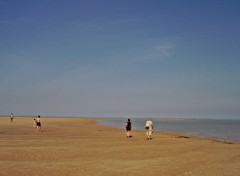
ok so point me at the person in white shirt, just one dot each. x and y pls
(149, 128)
(11, 117)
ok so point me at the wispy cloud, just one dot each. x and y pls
(153, 53)
(164, 50)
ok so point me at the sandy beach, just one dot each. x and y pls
(78, 146)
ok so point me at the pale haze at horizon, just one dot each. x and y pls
(120, 58)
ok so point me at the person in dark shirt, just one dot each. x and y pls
(128, 128)
(38, 123)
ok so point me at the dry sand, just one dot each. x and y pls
(79, 146)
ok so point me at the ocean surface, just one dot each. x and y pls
(224, 130)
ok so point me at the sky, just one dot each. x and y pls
(120, 58)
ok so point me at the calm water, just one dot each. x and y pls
(226, 130)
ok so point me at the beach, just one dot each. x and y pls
(79, 146)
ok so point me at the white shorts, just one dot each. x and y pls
(149, 132)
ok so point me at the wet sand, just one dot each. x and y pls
(78, 146)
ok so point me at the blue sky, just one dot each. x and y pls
(128, 58)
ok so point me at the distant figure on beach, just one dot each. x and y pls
(38, 123)
(149, 128)
(128, 128)
(34, 123)
(11, 117)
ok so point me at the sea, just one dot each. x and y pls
(218, 129)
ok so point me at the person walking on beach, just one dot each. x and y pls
(149, 128)
(34, 123)
(38, 123)
(128, 128)
(11, 117)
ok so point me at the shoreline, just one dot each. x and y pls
(171, 133)
(168, 133)
(186, 134)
